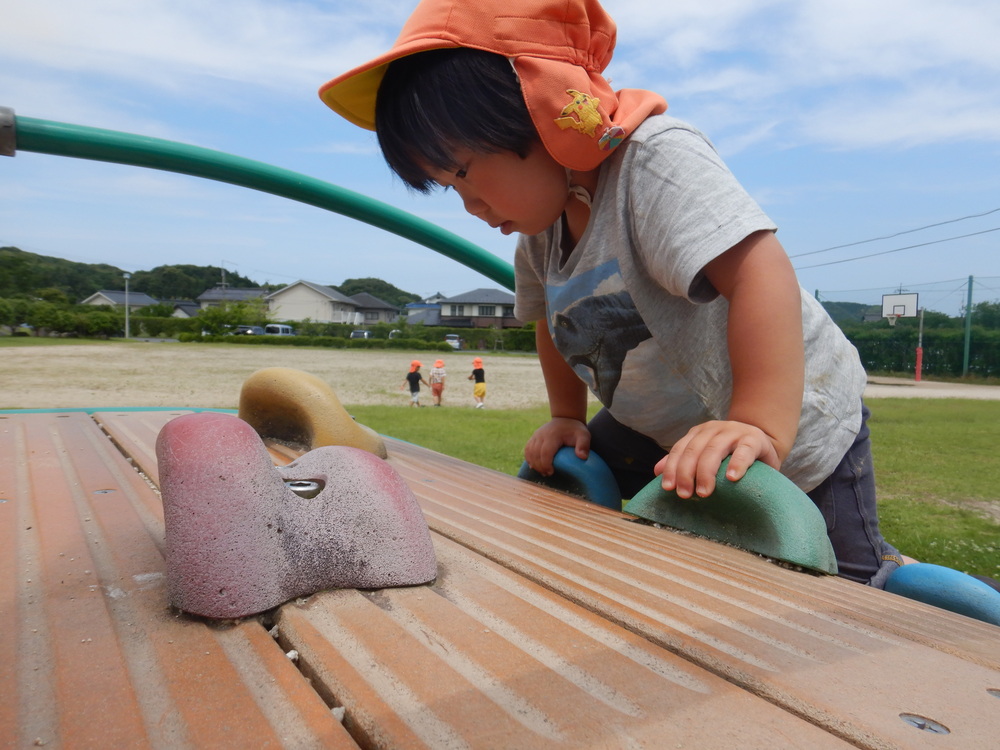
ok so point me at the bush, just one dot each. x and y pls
(895, 350)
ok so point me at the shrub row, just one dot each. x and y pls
(329, 342)
(895, 350)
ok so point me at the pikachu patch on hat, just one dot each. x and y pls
(580, 114)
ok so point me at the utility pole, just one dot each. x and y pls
(968, 330)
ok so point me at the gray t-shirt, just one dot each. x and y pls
(633, 314)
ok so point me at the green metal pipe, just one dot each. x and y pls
(81, 142)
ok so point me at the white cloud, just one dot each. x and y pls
(166, 45)
(933, 114)
(889, 73)
(775, 66)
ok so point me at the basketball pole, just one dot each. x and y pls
(920, 346)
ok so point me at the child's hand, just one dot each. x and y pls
(691, 466)
(552, 436)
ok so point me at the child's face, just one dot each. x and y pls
(507, 192)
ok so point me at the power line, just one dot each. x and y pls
(883, 287)
(897, 234)
(960, 281)
(931, 293)
(898, 249)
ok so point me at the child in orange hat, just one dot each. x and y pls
(656, 280)
(437, 377)
(414, 378)
(479, 387)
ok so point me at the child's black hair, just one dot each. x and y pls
(431, 103)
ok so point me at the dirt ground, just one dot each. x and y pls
(194, 375)
(879, 387)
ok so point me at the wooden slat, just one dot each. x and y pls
(100, 659)
(135, 434)
(850, 659)
(485, 659)
(795, 638)
(449, 483)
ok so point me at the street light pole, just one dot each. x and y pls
(127, 277)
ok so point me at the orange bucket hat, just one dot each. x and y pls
(558, 48)
(477, 362)
(439, 363)
(414, 365)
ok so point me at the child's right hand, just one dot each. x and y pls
(550, 437)
(690, 467)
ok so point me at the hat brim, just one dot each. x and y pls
(353, 94)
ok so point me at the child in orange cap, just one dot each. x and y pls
(655, 279)
(437, 377)
(479, 387)
(414, 378)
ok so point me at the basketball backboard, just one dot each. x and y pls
(899, 305)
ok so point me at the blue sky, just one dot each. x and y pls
(848, 121)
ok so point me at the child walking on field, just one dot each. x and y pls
(656, 281)
(437, 377)
(413, 379)
(479, 388)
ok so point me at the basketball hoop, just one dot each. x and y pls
(896, 306)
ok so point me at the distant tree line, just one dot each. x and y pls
(32, 276)
(25, 275)
(377, 288)
(40, 295)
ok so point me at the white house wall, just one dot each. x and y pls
(302, 303)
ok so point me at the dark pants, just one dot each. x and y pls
(846, 498)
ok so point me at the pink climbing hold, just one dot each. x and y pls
(243, 536)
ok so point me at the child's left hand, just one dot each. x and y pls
(690, 467)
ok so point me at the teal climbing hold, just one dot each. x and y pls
(764, 512)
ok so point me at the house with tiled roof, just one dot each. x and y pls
(480, 308)
(374, 310)
(185, 309)
(114, 298)
(304, 300)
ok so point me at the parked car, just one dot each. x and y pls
(248, 331)
(278, 329)
(361, 334)
(454, 340)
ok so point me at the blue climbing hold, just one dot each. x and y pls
(590, 479)
(948, 589)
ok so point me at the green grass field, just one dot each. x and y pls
(938, 475)
(935, 460)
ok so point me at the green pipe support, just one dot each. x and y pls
(81, 142)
